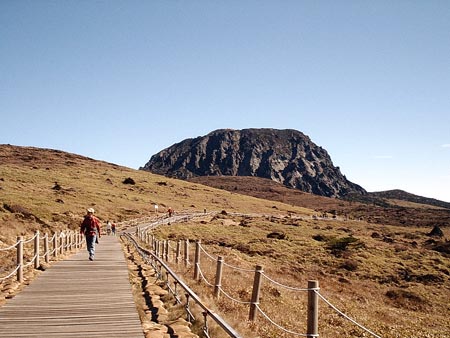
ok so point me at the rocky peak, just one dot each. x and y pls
(285, 156)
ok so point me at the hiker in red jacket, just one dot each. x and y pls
(90, 227)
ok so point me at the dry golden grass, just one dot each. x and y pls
(391, 283)
(389, 280)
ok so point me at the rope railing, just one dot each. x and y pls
(199, 274)
(31, 239)
(9, 247)
(288, 287)
(214, 259)
(283, 328)
(155, 261)
(234, 299)
(345, 316)
(238, 268)
(204, 279)
(31, 261)
(224, 263)
(73, 241)
(11, 274)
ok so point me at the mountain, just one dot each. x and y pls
(285, 156)
(406, 196)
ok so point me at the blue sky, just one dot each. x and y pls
(118, 81)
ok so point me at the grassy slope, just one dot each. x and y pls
(376, 210)
(392, 282)
(28, 176)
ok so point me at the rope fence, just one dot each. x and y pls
(346, 317)
(283, 328)
(62, 243)
(189, 295)
(161, 250)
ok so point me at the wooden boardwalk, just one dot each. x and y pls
(76, 298)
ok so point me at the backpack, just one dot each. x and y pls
(89, 226)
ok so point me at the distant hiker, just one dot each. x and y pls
(113, 229)
(156, 208)
(90, 227)
(170, 211)
(108, 227)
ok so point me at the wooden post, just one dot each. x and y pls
(36, 250)
(166, 252)
(186, 252)
(61, 243)
(255, 293)
(55, 245)
(313, 309)
(68, 242)
(20, 259)
(188, 310)
(218, 283)
(178, 252)
(197, 261)
(72, 241)
(46, 250)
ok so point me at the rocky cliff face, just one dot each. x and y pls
(285, 156)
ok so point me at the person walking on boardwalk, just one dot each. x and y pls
(108, 228)
(90, 227)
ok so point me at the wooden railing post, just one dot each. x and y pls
(178, 252)
(187, 307)
(255, 293)
(20, 259)
(68, 241)
(197, 261)
(63, 243)
(186, 252)
(46, 250)
(36, 250)
(313, 308)
(218, 283)
(166, 250)
(71, 241)
(55, 245)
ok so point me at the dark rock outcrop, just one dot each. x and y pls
(285, 156)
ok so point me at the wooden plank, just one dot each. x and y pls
(76, 298)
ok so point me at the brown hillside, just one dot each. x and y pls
(393, 212)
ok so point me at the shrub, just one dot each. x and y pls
(320, 238)
(338, 246)
(349, 265)
(129, 180)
